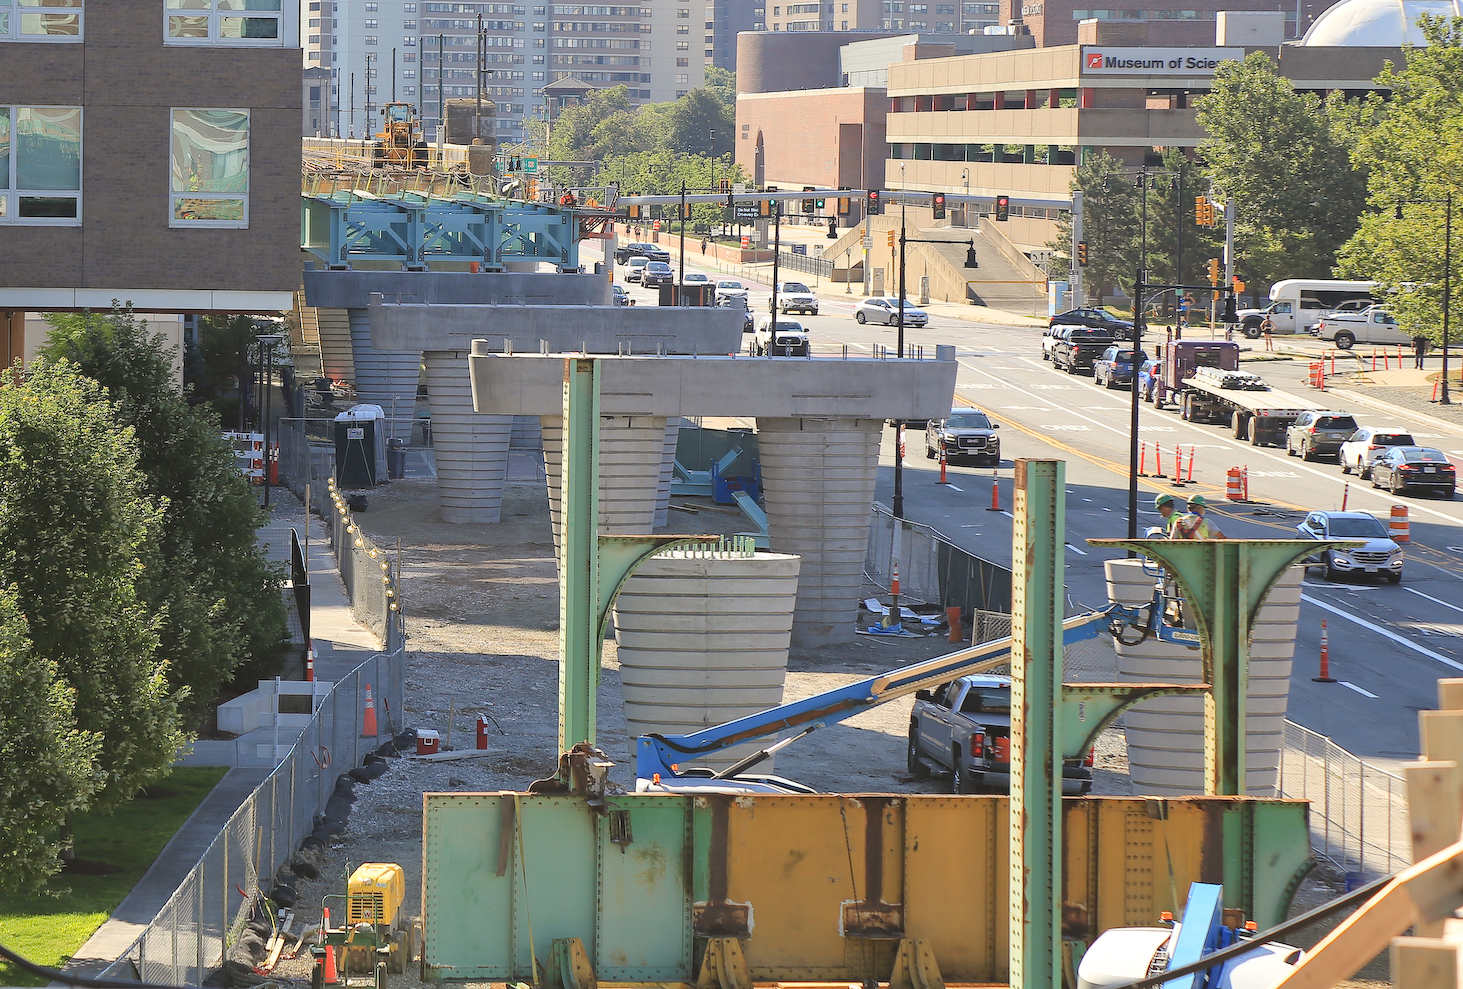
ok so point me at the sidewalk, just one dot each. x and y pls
(341, 643)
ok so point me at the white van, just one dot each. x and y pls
(1297, 304)
(1373, 326)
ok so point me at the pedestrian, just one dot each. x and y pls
(704, 242)
(1267, 327)
(1168, 508)
(1419, 349)
(1194, 525)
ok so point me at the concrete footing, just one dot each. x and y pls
(703, 639)
(818, 477)
(1166, 734)
(630, 453)
(387, 378)
(471, 449)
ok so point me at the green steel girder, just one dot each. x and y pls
(1224, 582)
(414, 230)
(1088, 708)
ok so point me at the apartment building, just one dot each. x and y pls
(149, 153)
(427, 52)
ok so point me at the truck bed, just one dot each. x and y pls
(1272, 399)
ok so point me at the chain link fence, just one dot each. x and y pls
(1359, 817)
(206, 914)
(932, 569)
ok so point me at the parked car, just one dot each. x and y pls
(1318, 434)
(1078, 347)
(1379, 553)
(657, 273)
(791, 339)
(635, 267)
(1420, 467)
(1367, 444)
(1121, 329)
(1115, 367)
(795, 297)
(729, 288)
(965, 434)
(885, 309)
(964, 728)
(624, 254)
(618, 295)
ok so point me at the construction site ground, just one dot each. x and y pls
(482, 616)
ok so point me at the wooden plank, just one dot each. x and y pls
(1442, 735)
(1450, 694)
(1425, 963)
(1435, 803)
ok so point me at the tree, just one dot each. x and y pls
(703, 124)
(1282, 156)
(216, 596)
(1109, 225)
(76, 532)
(1172, 189)
(225, 365)
(1410, 147)
(50, 764)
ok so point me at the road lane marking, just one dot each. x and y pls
(1384, 633)
(1352, 686)
(1413, 590)
(1074, 549)
(954, 488)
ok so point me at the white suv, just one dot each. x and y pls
(795, 297)
(792, 339)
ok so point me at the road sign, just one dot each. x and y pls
(739, 187)
(747, 211)
(530, 165)
(868, 240)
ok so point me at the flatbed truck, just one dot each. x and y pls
(1241, 400)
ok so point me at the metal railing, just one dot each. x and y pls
(208, 911)
(932, 569)
(1359, 817)
(801, 262)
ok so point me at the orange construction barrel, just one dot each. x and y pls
(1397, 527)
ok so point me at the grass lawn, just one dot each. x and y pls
(48, 929)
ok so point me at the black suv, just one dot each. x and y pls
(1078, 347)
(624, 254)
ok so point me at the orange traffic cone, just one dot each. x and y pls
(368, 723)
(331, 975)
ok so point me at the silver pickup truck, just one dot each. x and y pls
(964, 728)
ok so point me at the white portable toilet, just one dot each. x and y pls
(360, 446)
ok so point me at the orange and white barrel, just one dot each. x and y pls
(1397, 527)
(1234, 485)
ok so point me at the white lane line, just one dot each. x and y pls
(1384, 633)
(1008, 515)
(1074, 549)
(1413, 590)
(954, 488)
(1352, 686)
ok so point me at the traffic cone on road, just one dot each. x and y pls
(995, 497)
(368, 723)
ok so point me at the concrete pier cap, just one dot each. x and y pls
(471, 449)
(819, 424)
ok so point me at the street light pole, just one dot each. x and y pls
(1443, 398)
(267, 342)
(681, 281)
(1139, 290)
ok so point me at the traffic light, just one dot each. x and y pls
(1003, 208)
(1239, 286)
(808, 203)
(1082, 253)
(832, 228)
(686, 213)
(764, 207)
(725, 185)
(938, 206)
(1213, 271)
(635, 211)
(820, 203)
(843, 204)
(1201, 211)
(1230, 316)
(875, 207)
(891, 240)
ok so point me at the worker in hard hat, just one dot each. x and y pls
(1168, 508)
(1194, 525)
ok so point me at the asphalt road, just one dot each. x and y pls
(1388, 643)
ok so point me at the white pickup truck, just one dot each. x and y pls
(1374, 326)
(792, 338)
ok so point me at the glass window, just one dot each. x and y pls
(210, 168)
(227, 22)
(40, 164)
(41, 20)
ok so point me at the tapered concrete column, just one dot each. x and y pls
(471, 449)
(387, 378)
(667, 471)
(630, 453)
(337, 359)
(703, 640)
(818, 481)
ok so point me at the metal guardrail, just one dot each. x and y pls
(801, 262)
(932, 569)
(1359, 818)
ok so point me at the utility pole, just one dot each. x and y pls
(393, 74)
(353, 106)
(681, 280)
(776, 250)
(1229, 275)
(1075, 278)
(1139, 291)
(1443, 398)
(441, 98)
(477, 126)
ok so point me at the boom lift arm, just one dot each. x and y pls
(658, 757)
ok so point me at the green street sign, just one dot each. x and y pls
(530, 165)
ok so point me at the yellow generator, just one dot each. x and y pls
(375, 895)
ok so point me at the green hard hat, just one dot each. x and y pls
(1198, 501)
(1163, 499)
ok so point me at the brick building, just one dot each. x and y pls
(154, 158)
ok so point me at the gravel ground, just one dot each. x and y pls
(481, 607)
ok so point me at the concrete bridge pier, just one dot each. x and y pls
(667, 471)
(471, 449)
(631, 450)
(818, 482)
(387, 378)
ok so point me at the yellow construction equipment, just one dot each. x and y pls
(400, 143)
(377, 934)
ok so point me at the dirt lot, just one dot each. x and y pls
(481, 607)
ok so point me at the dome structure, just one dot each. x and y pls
(1376, 23)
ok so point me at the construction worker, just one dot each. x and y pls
(1194, 525)
(1168, 508)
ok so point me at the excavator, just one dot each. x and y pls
(400, 143)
